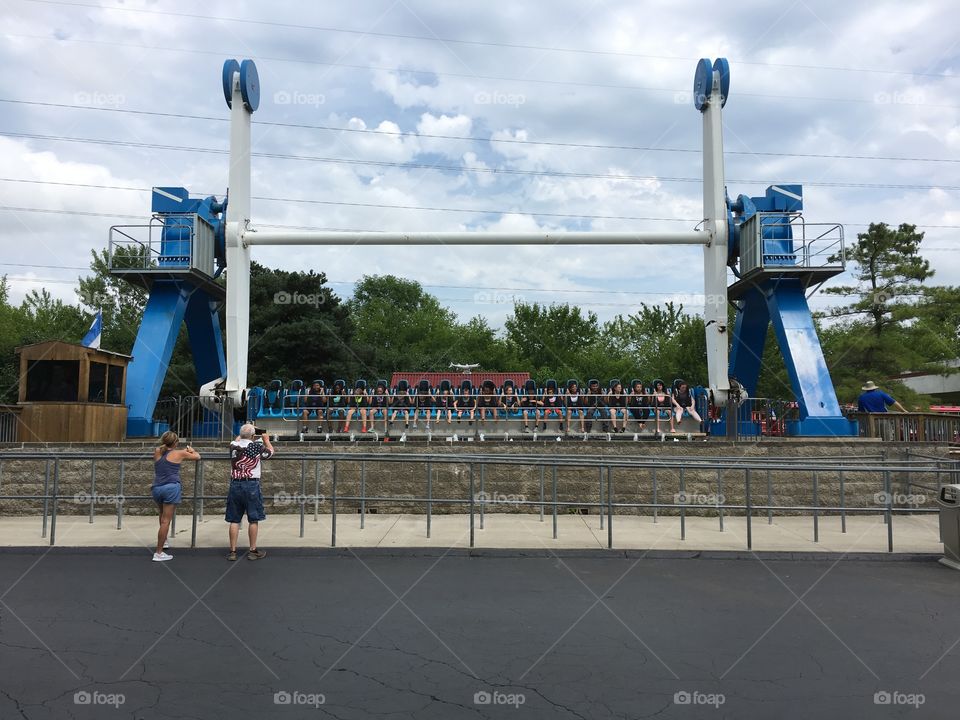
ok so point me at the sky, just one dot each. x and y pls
(559, 115)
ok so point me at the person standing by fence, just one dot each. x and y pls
(166, 488)
(245, 496)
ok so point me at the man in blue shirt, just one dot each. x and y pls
(875, 400)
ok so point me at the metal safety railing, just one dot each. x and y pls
(888, 490)
(784, 241)
(909, 427)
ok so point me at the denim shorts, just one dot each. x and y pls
(244, 496)
(168, 494)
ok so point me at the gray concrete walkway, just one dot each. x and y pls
(912, 533)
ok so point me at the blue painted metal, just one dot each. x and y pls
(176, 298)
(723, 67)
(229, 68)
(781, 300)
(249, 85)
(702, 82)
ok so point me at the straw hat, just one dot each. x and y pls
(871, 385)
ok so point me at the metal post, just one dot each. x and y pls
(749, 504)
(600, 502)
(609, 507)
(554, 475)
(203, 491)
(843, 504)
(483, 493)
(316, 492)
(472, 500)
(120, 498)
(816, 503)
(429, 495)
(53, 510)
(363, 493)
(654, 474)
(333, 506)
(720, 497)
(683, 506)
(886, 482)
(197, 475)
(46, 488)
(541, 493)
(93, 488)
(303, 494)
(769, 499)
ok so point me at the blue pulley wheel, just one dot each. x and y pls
(723, 67)
(229, 68)
(249, 85)
(702, 84)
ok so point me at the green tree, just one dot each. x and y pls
(888, 271)
(299, 329)
(551, 339)
(400, 326)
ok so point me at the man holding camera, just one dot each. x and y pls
(246, 454)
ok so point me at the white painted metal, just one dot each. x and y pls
(238, 254)
(715, 253)
(240, 237)
(258, 237)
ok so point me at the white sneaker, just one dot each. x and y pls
(162, 557)
(559, 438)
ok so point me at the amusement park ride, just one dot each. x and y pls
(776, 258)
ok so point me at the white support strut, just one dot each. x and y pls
(468, 237)
(238, 254)
(240, 237)
(715, 253)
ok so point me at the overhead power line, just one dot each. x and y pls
(493, 140)
(467, 76)
(463, 169)
(481, 43)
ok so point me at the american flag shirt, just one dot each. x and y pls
(245, 457)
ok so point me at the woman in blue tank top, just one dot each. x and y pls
(166, 489)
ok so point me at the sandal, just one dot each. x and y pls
(256, 554)
(232, 555)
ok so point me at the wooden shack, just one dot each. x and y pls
(71, 393)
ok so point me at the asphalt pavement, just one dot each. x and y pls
(95, 633)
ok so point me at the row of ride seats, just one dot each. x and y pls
(277, 401)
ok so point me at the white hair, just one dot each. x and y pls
(247, 431)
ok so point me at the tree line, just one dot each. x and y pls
(890, 319)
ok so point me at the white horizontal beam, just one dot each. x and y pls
(467, 237)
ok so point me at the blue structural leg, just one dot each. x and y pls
(746, 357)
(820, 412)
(206, 340)
(152, 350)
(171, 303)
